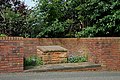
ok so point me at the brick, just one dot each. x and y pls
(9, 50)
(105, 51)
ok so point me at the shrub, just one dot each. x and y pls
(77, 59)
(33, 61)
(3, 35)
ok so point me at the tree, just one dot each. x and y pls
(77, 18)
(61, 18)
(103, 18)
(14, 18)
(57, 18)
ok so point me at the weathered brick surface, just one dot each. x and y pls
(105, 51)
(52, 57)
(52, 54)
(11, 54)
(30, 45)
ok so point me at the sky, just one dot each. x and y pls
(30, 3)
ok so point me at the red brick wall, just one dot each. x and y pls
(105, 51)
(30, 45)
(11, 54)
(110, 53)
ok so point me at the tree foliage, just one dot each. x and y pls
(14, 18)
(56, 18)
(61, 18)
(103, 18)
(77, 18)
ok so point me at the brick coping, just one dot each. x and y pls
(21, 38)
(11, 38)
